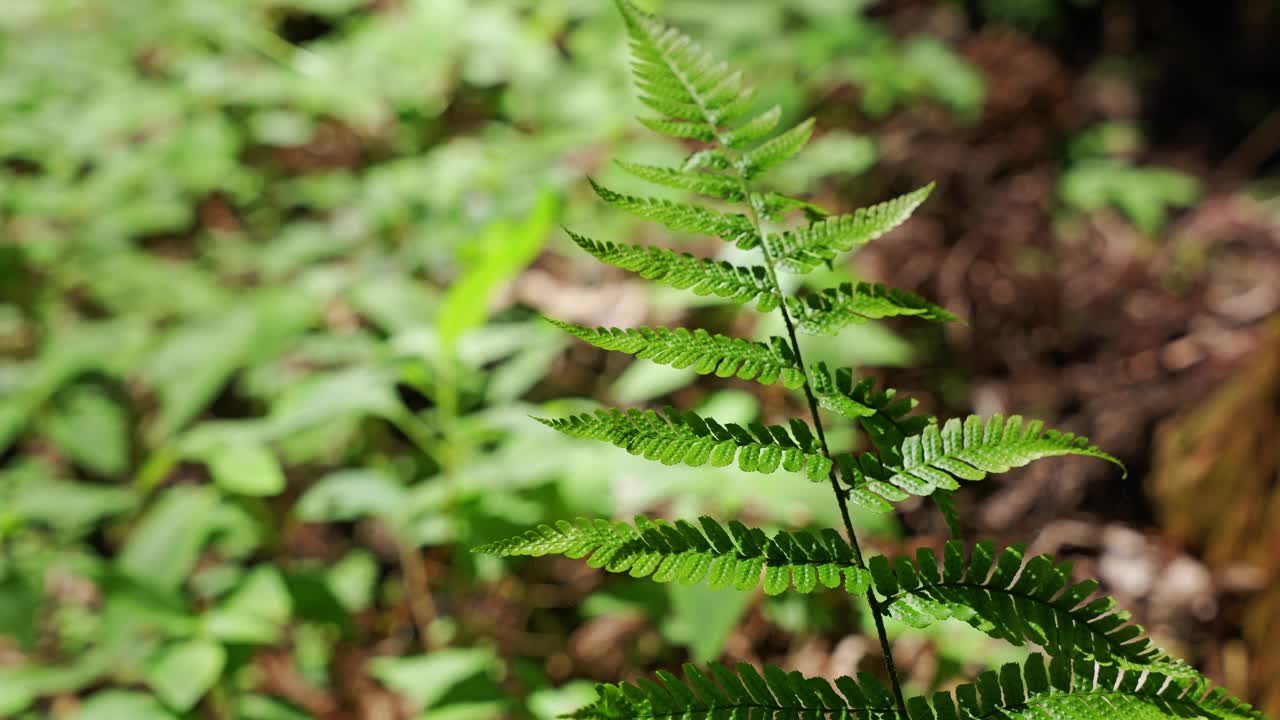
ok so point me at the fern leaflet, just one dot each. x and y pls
(682, 217)
(803, 249)
(739, 557)
(720, 186)
(776, 151)
(774, 206)
(1012, 598)
(684, 271)
(888, 426)
(680, 130)
(677, 437)
(1034, 690)
(708, 159)
(704, 352)
(826, 312)
(676, 77)
(934, 458)
(754, 129)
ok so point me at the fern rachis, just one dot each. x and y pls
(1101, 665)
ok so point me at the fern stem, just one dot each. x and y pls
(877, 612)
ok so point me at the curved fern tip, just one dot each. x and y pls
(1124, 469)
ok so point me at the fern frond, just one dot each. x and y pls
(719, 186)
(754, 129)
(675, 75)
(682, 217)
(828, 311)
(803, 249)
(972, 450)
(677, 109)
(682, 437)
(739, 557)
(708, 159)
(864, 477)
(887, 421)
(1034, 690)
(686, 272)
(775, 206)
(1066, 689)
(881, 413)
(856, 400)
(776, 151)
(741, 693)
(934, 459)
(705, 353)
(1012, 598)
(680, 130)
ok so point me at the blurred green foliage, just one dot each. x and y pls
(1101, 174)
(252, 287)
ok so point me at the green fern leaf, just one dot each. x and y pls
(705, 353)
(1059, 690)
(754, 129)
(972, 450)
(1012, 598)
(863, 475)
(882, 413)
(934, 459)
(677, 109)
(682, 217)
(739, 557)
(680, 130)
(803, 249)
(684, 271)
(775, 206)
(719, 186)
(741, 693)
(1066, 689)
(776, 151)
(828, 311)
(677, 437)
(708, 159)
(675, 75)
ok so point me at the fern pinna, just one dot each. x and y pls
(1100, 664)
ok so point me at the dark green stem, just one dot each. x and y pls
(877, 612)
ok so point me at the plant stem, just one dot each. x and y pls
(877, 612)
(417, 591)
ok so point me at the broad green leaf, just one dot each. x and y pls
(352, 580)
(184, 671)
(110, 347)
(552, 703)
(427, 679)
(348, 495)
(163, 548)
(246, 468)
(701, 619)
(92, 428)
(22, 685)
(255, 613)
(502, 252)
(33, 495)
(193, 364)
(261, 707)
(642, 382)
(121, 704)
(348, 394)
